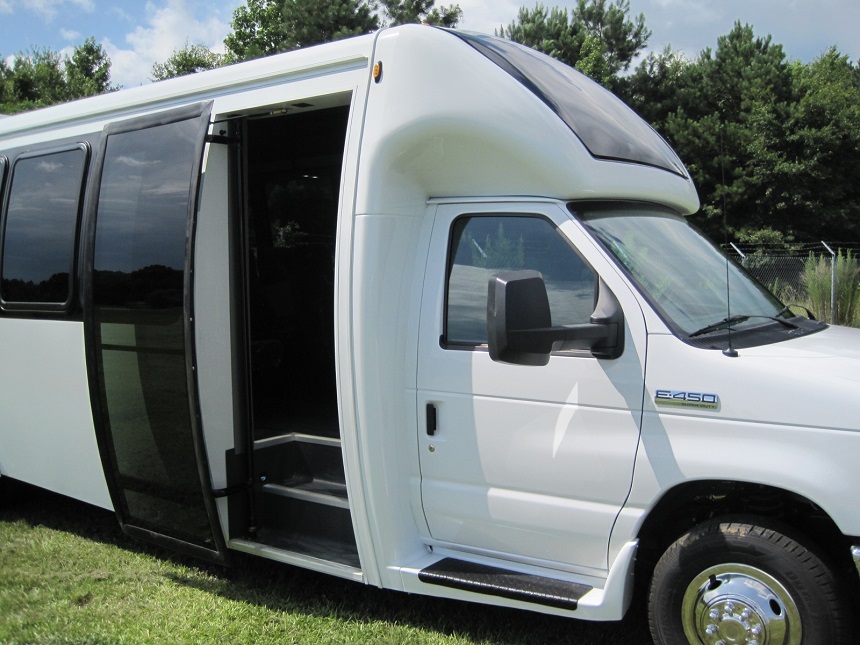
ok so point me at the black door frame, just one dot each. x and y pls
(214, 549)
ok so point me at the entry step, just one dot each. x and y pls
(310, 489)
(505, 583)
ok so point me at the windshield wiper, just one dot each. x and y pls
(737, 319)
(787, 310)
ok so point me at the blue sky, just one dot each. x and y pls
(138, 34)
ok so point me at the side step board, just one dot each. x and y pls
(495, 581)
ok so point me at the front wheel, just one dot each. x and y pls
(735, 582)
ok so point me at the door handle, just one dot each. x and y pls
(432, 419)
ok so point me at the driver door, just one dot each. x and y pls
(524, 462)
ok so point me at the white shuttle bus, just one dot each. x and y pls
(421, 309)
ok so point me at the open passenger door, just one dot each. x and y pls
(139, 328)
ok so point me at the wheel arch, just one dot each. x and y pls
(691, 503)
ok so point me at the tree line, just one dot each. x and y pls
(772, 144)
(43, 77)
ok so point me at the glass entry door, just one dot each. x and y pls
(139, 330)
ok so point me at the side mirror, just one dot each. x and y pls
(519, 323)
(517, 302)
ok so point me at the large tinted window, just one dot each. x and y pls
(484, 245)
(607, 127)
(144, 207)
(40, 229)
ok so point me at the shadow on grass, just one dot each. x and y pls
(282, 588)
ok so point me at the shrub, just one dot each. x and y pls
(817, 281)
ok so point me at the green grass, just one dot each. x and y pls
(69, 575)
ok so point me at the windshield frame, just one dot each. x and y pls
(760, 327)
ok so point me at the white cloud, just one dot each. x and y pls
(486, 17)
(47, 9)
(127, 69)
(70, 34)
(120, 13)
(804, 28)
(167, 27)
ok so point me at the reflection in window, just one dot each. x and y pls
(677, 268)
(605, 125)
(40, 228)
(142, 220)
(143, 199)
(483, 246)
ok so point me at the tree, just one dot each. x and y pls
(34, 80)
(88, 71)
(188, 60)
(5, 83)
(592, 60)
(774, 144)
(401, 12)
(726, 104)
(265, 27)
(622, 37)
(811, 161)
(592, 28)
(43, 77)
(653, 89)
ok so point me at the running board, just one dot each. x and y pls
(495, 581)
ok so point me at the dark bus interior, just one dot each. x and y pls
(291, 166)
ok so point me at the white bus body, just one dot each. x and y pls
(420, 309)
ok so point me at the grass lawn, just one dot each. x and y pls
(69, 575)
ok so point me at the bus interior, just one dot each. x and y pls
(290, 167)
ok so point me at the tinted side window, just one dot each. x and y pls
(40, 229)
(607, 127)
(143, 212)
(484, 245)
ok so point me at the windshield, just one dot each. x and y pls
(679, 270)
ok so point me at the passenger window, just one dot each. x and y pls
(40, 229)
(484, 245)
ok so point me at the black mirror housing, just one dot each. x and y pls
(517, 302)
(519, 322)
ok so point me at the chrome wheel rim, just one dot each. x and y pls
(733, 603)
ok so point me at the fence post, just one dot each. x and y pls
(832, 283)
(740, 253)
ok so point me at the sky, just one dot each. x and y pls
(138, 34)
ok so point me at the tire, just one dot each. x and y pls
(735, 582)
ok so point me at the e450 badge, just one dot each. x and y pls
(684, 399)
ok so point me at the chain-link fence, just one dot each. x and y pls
(823, 277)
